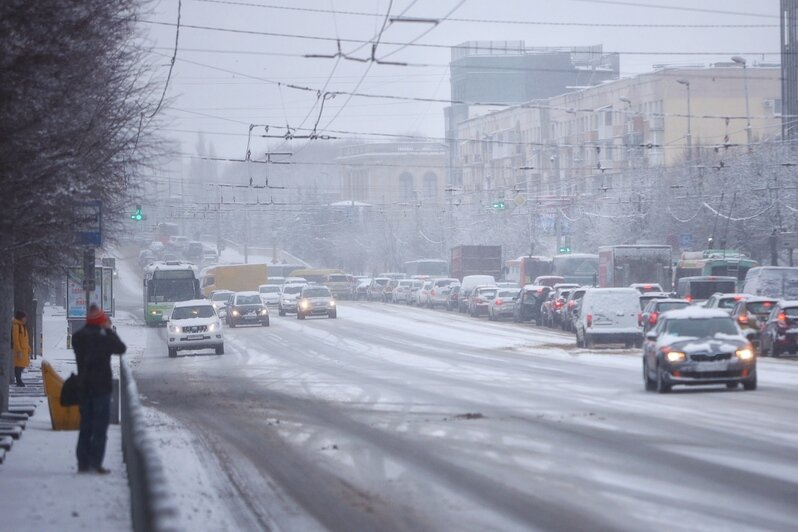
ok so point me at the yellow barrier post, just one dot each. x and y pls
(63, 417)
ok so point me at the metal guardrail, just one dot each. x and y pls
(151, 504)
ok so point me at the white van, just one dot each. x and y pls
(467, 286)
(772, 281)
(609, 315)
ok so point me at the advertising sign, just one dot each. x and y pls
(76, 295)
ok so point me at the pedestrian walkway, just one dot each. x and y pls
(39, 484)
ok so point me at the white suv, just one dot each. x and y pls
(194, 325)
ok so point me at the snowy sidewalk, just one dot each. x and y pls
(40, 488)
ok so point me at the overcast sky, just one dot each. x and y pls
(223, 81)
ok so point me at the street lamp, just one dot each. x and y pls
(741, 61)
(686, 83)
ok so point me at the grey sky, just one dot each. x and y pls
(234, 80)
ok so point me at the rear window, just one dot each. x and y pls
(791, 312)
(444, 282)
(727, 303)
(701, 327)
(665, 307)
(760, 307)
(186, 313)
(507, 293)
(705, 289)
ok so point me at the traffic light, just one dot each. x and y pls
(565, 250)
(138, 216)
(499, 205)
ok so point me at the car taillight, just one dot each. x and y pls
(590, 320)
(689, 299)
(571, 304)
(558, 303)
(742, 319)
(652, 318)
(782, 317)
(498, 302)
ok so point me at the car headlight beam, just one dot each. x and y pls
(675, 356)
(745, 354)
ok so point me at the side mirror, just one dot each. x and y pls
(651, 336)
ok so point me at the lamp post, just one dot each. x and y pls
(629, 148)
(686, 83)
(741, 61)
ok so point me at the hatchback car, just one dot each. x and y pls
(219, 299)
(194, 325)
(527, 306)
(750, 314)
(401, 294)
(502, 305)
(247, 308)
(376, 288)
(780, 330)
(439, 292)
(655, 307)
(697, 346)
(724, 302)
(480, 300)
(315, 300)
(289, 293)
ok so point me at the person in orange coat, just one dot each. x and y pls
(20, 344)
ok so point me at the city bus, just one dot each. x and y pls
(166, 283)
(430, 267)
(715, 262)
(579, 268)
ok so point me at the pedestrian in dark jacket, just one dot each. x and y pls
(93, 345)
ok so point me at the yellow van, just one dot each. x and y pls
(235, 277)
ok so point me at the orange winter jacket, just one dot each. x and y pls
(20, 343)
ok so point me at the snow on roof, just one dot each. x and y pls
(696, 313)
(193, 303)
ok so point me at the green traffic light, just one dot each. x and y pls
(138, 216)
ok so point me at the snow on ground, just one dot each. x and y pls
(39, 483)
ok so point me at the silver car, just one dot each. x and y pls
(503, 304)
(315, 300)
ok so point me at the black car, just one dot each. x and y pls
(780, 332)
(697, 346)
(246, 308)
(655, 307)
(527, 306)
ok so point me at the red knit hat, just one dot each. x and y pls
(96, 316)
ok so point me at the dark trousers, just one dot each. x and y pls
(95, 412)
(18, 375)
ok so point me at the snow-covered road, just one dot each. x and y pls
(398, 418)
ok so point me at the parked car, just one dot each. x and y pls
(558, 309)
(453, 297)
(401, 294)
(414, 289)
(480, 299)
(780, 332)
(315, 300)
(609, 315)
(289, 293)
(724, 302)
(361, 289)
(697, 346)
(247, 308)
(502, 305)
(467, 285)
(527, 306)
(194, 325)
(423, 294)
(376, 288)
(387, 290)
(655, 307)
(645, 288)
(751, 314)
(439, 292)
(270, 294)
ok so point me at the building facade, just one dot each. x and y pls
(583, 139)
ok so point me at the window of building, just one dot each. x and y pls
(405, 187)
(430, 186)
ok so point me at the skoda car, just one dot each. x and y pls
(315, 300)
(247, 308)
(697, 346)
(194, 325)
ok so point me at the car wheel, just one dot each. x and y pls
(220, 349)
(750, 384)
(589, 342)
(333, 314)
(172, 352)
(232, 324)
(731, 385)
(648, 381)
(300, 316)
(628, 344)
(662, 386)
(266, 322)
(280, 312)
(639, 343)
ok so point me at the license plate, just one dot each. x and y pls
(194, 337)
(718, 365)
(250, 317)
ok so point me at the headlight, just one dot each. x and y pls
(303, 304)
(212, 327)
(332, 303)
(675, 356)
(175, 329)
(235, 313)
(745, 354)
(264, 311)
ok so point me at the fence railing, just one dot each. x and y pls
(151, 503)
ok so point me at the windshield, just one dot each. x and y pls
(269, 289)
(221, 296)
(160, 290)
(292, 289)
(701, 327)
(316, 292)
(507, 293)
(248, 300)
(186, 313)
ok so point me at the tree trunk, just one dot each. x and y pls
(6, 314)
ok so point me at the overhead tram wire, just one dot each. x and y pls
(497, 21)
